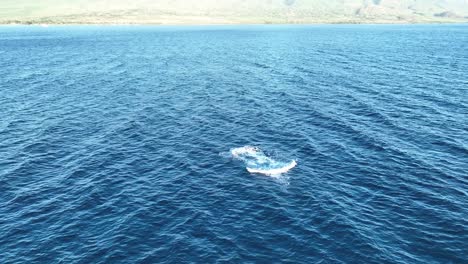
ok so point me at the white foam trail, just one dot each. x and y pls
(257, 161)
(277, 171)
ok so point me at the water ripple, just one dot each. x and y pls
(114, 144)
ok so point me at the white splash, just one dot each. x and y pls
(257, 161)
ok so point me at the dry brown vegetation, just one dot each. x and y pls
(231, 11)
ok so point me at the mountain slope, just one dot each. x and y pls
(233, 11)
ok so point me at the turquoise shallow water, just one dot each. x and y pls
(116, 144)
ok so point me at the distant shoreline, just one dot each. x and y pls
(238, 24)
(232, 12)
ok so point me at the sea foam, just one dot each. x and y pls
(257, 161)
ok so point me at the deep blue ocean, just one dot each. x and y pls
(117, 144)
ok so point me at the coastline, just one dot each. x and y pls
(110, 24)
(233, 13)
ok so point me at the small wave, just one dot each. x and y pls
(257, 161)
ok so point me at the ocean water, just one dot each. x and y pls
(117, 143)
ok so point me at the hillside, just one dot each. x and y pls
(232, 11)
